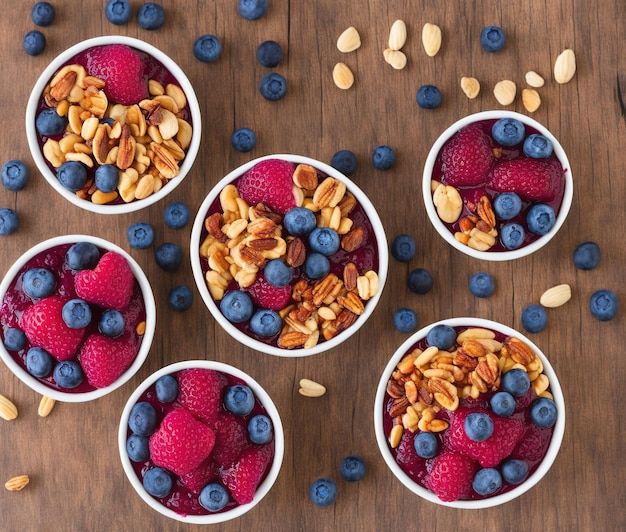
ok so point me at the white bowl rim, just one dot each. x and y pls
(377, 226)
(52, 68)
(146, 342)
(262, 396)
(532, 480)
(445, 232)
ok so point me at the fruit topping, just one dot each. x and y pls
(200, 392)
(243, 478)
(266, 295)
(508, 131)
(269, 182)
(451, 476)
(110, 284)
(531, 179)
(467, 157)
(104, 359)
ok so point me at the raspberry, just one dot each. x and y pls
(533, 445)
(200, 392)
(104, 359)
(269, 182)
(467, 157)
(244, 477)
(451, 475)
(231, 436)
(530, 179)
(268, 296)
(202, 475)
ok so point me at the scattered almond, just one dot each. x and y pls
(565, 66)
(470, 86)
(8, 410)
(349, 40)
(556, 296)
(310, 388)
(17, 483)
(531, 100)
(397, 35)
(431, 39)
(45, 406)
(343, 76)
(533, 79)
(395, 58)
(505, 91)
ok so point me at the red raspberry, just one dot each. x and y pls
(200, 392)
(268, 296)
(467, 157)
(269, 182)
(245, 476)
(531, 179)
(451, 475)
(104, 359)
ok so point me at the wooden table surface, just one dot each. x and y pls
(77, 482)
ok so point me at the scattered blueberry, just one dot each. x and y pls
(42, 14)
(537, 146)
(383, 157)
(420, 281)
(299, 221)
(514, 471)
(107, 177)
(9, 221)
(403, 248)
(323, 491)
(118, 12)
(82, 256)
(405, 320)
(442, 335)
(540, 219)
(478, 426)
(169, 256)
(236, 306)
(502, 404)
(352, 468)
(38, 282)
(269, 54)
(243, 139)
(508, 131)
(157, 482)
(344, 161)
(39, 362)
(207, 48)
(14, 175)
(72, 175)
(68, 374)
(176, 215)
(273, 86)
(512, 235)
(481, 284)
(137, 448)
(534, 318)
(587, 256)
(142, 419)
(239, 399)
(316, 266)
(14, 339)
(166, 388)
(111, 323)
(428, 97)
(34, 42)
(543, 412)
(507, 205)
(252, 9)
(260, 429)
(426, 444)
(180, 298)
(278, 273)
(492, 39)
(515, 382)
(213, 497)
(140, 235)
(487, 481)
(151, 16)
(266, 323)
(49, 123)
(76, 314)
(324, 240)
(603, 305)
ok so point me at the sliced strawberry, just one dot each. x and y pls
(451, 475)
(200, 392)
(231, 436)
(269, 182)
(467, 157)
(206, 472)
(269, 296)
(531, 179)
(245, 476)
(104, 359)
(534, 444)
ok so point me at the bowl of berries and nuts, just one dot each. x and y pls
(201, 441)
(497, 185)
(77, 317)
(469, 413)
(289, 255)
(113, 124)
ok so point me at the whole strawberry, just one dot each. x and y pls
(467, 157)
(269, 296)
(450, 476)
(244, 477)
(531, 179)
(269, 182)
(104, 359)
(110, 284)
(200, 392)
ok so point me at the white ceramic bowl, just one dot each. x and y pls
(266, 402)
(32, 109)
(370, 305)
(418, 489)
(39, 385)
(445, 232)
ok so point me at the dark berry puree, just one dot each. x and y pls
(16, 301)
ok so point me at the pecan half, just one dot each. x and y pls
(213, 225)
(296, 253)
(354, 239)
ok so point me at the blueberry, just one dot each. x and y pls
(34, 42)
(111, 323)
(252, 9)
(213, 497)
(180, 298)
(107, 177)
(537, 146)
(512, 235)
(243, 139)
(72, 175)
(543, 412)
(352, 468)
(42, 14)
(68, 374)
(508, 131)
(299, 221)
(151, 16)
(118, 12)
(316, 266)
(76, 314)
(478, 426)
(481, 284)
(487, 481)
(14, 339)
(169, 256)
(14, 175)
(49, 123)
(140, 235)
(383, 157)
(157, 482)
(603, 305)
(428, 97)
(273, 86)
(236, 306)
(405, 320)
(515, 382)
(442, 335)
(426, 444)
(38, 282)
(587, 256)
(278, 273)
(260, 429)
(9, 221)
(540, 219)
(266, 323)
(344, 161)
(324, 240)
(323, 491)
(239, 399)
(166, 388)
(137, 448)
(82, 256)
(207, 48)
(502, 404)
(39, 362)
(269, 54)
(403, 248)
(507, 205)
(534, 318)
(142, 419)
(514, 471)
(420, 281)
(492, 39)
(176, 215)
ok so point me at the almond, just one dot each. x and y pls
(505, 91)
(470, 86)
(343, 76)
(397, 35)
(531, 100)
(395, 58)
(349, 40)
(431, 39)
(310, 388)
(533, 79)
(565, 66)
(45, 406)
(556, 296)
(17, 483)
(8, 410)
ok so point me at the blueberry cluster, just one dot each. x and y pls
(323, 491)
